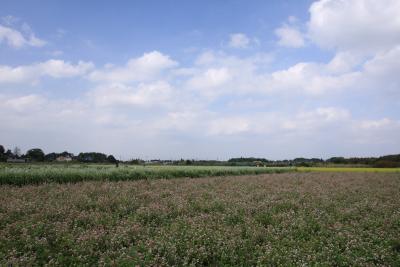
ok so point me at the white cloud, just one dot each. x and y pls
(290, 36)
(157, 93)
(344, 62)
(51, 68)
(228, 126)
(239, 40)
(375, 124)
(210, 78)
(379, 132)
(273, 123)
(348, 70)
(144, 68)
(344, 74)
(23, 103)
(206, 58)
(310, 78)
(12, 37)
(306, 132)
(324, 114)
(17, 39)
(60, 69)
(365, 26)
(216, 74)
(314, 121)
(385, 63)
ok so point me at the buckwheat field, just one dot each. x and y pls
(293, 218)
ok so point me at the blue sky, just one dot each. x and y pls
(201, 79)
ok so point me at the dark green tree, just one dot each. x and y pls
(111, 159)
(35, 154)
(3, 156)
(8, 153)
(50, 157)
(94, 157)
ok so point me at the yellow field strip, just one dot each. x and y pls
(344, 169)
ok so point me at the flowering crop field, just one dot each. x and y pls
(292, 218)
(23, 174)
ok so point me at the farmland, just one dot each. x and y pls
(290, 218)
(23, 174)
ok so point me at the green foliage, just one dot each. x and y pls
(93, 157)
(37, 174)
(337, 160)
(35, 154)
(136, 162)
(111, 159)
(382, 163)
(264, 218)
(3, 156)
(50, 157)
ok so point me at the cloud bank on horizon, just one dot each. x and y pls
(316, 80)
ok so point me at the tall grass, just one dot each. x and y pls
(37, 174)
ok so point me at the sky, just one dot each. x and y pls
(201, 79)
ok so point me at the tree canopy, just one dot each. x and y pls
(35, 154)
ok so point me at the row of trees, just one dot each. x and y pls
(383, 162)
(37, 155)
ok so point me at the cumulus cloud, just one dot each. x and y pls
(210, 78)
(51, 68)
(378, 74)
(23, 103)
(216, 74)
(60, 69)
(364, 26)
(313, 120)
(311, 78)
(332, 25)
(290, 36)
(18, 39)
(144, 68)
(157, 93)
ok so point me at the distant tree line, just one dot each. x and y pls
(389, 161)
(37, 155)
